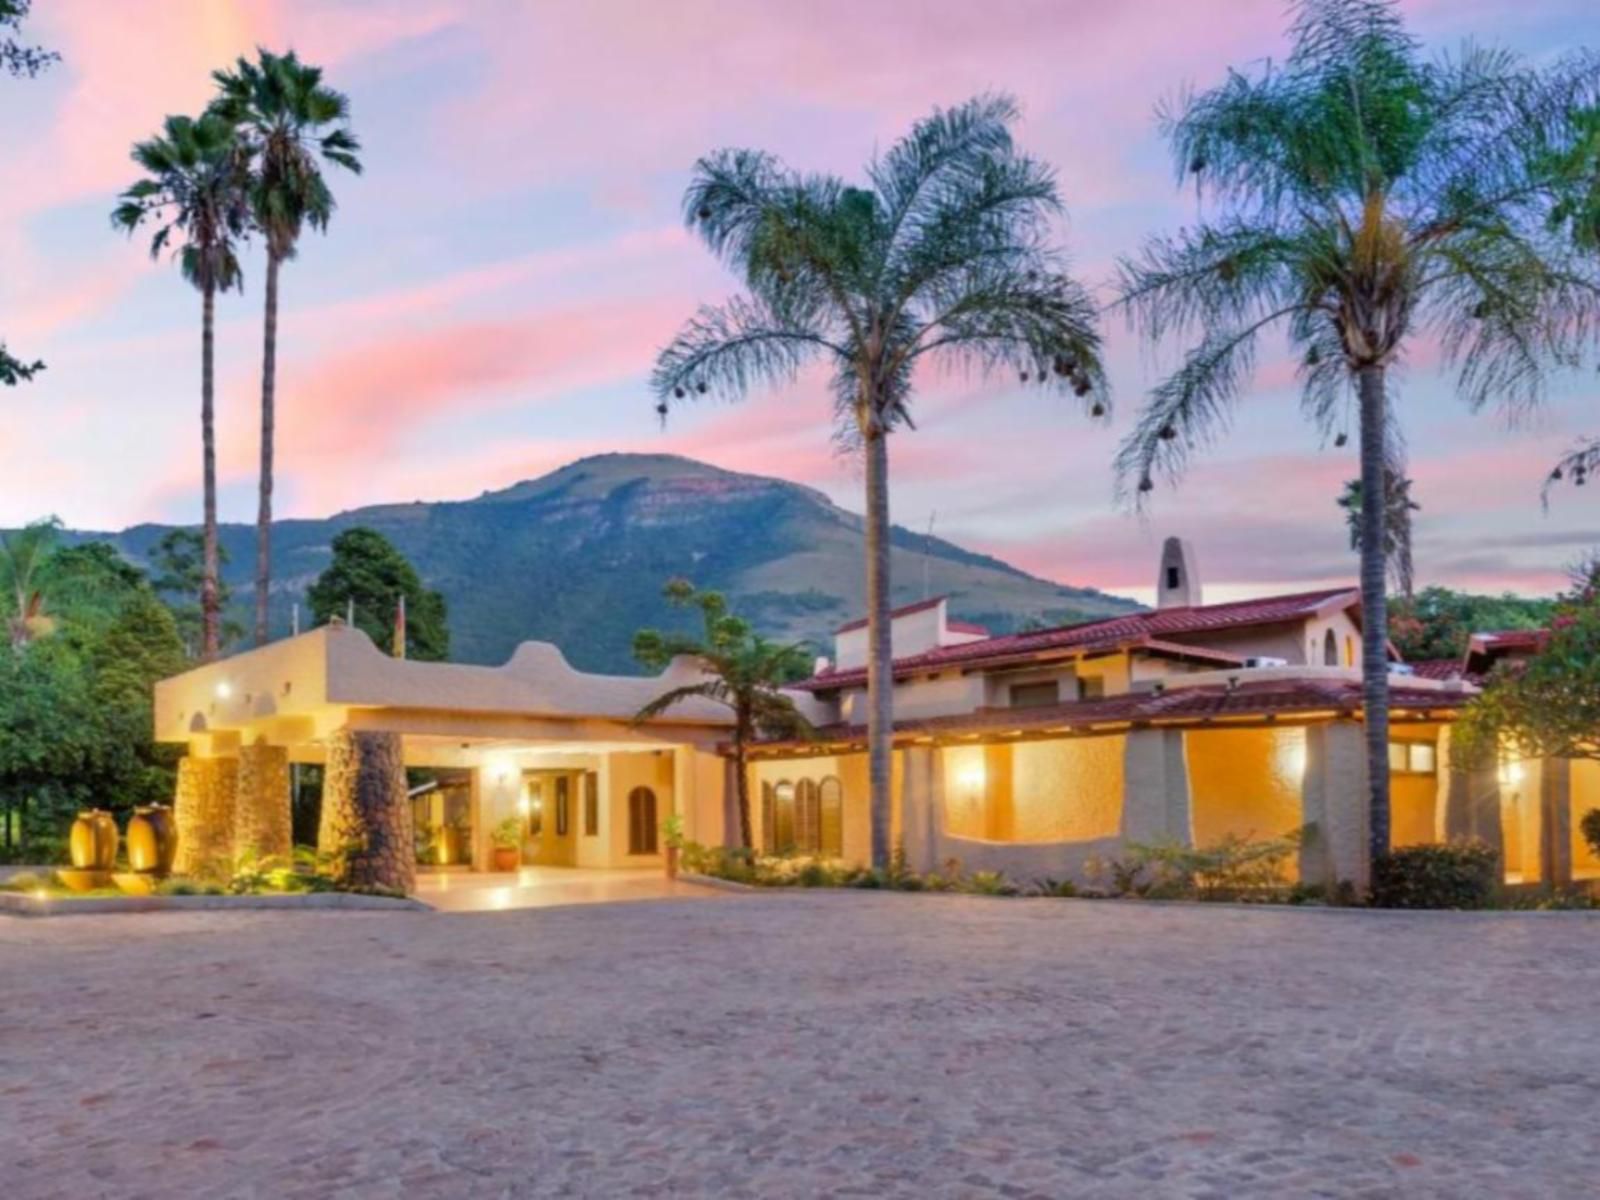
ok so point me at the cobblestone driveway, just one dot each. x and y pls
(800, 1045)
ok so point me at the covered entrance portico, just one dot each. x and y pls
(425, 764)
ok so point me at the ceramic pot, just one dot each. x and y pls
(152, 840)
(93, 840)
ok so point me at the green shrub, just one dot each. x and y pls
(1461, 874)
(989, 883)
(1060, 888)
(1590, 828)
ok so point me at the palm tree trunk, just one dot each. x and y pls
(741, 787)
(880, 654)
(1374, 607)
(210, 623)
(269, 370)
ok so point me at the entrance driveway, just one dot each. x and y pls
(841, 1044)
(550, 887)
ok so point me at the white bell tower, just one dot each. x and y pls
(1178, 584)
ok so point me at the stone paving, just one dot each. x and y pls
(840, 1044)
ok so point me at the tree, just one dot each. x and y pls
(745, 674)
(23, 554)
(1437, 622)
(18, 59)
(291, 124)
(1360, 194)
(194, 189)
(370, 574)
(1397, 525)
(1547, 706)
(178, 561)
(943, 258)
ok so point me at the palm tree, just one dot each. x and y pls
(23, 556)
(1576, 466)
(291, 123)
(1361, 194)
(19, 59)
(194, 188)
(943, 258)
(745, 674)
(1397, 524)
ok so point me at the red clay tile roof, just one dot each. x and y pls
(1437, 668)
(1149, 629)
(1271, 697)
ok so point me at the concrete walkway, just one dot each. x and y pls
(800, 1045)
(549, 887)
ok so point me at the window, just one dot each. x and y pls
(591, 804)
(1035, 695)
(563, 805)
(1330, 649)
(1092, 688)
(1412, 758)
(641, 821)
(830, 803)
(779, 834)
(807, 817)
(533, 793)
(1174, 578)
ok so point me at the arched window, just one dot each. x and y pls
(1330, 650)
(641, 821)
(768, 819)
(781, 840)
(830, 805)
(807, 817)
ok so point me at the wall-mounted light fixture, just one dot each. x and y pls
(224, 689)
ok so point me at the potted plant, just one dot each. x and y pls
(672, 838)
(507, 839)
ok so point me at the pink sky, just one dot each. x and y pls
(488, 301)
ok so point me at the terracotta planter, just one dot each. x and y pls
(93, 840)
(507, 858)
(152, 840)
(672, 862)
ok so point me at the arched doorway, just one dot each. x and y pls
(642, 822)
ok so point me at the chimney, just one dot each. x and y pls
(1178, 585)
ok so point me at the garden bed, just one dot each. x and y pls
(58, 904)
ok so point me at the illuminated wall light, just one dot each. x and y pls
(971, 778)
(224, 690)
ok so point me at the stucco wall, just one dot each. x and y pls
(626, 772)
(1063, 790)
(851, 772)
(1245, 782)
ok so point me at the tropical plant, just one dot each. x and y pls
(1361, 195)
(942, 259)
(17, 58)
(507, 835)
(1459, 874)
(369, 577)
(23, 555)
(1396, 522)
(1575, 466)
(743, 672)
(290, 123)
(194, 191)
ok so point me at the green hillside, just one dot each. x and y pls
(578, 558)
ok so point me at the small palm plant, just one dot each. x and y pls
(1361, 197)
(291, 124)
(1396, 524)
(744, 672)
(193, 191)
(943, 258)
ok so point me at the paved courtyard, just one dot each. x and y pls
(800, 1045)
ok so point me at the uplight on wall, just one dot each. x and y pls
(971, 778)
(224, 690)
(1511, 773)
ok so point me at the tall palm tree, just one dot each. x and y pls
(1361, 195)
(194, 189)
(291, 124)
(944, 257)
(745, 674)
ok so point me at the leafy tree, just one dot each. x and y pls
(942, 259)
(291, 123)
(745, 674)
(18, 59)
(370, 574)
(1360, 194)
(23, 554)
(1397, 525)
(1547, 706)
(1437, 622)
(194, 189)
(178, 561)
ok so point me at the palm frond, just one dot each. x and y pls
(732, 348)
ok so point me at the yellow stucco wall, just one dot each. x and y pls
(1245, 782)
(626, 772)
(1414, 796)
(851, 771)
(1065, 790)
(1585, 795)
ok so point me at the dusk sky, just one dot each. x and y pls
(488, 301)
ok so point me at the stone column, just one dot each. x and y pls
(203, 811)
(263, 823)
(366, 817)
(917, 801)
(1333, 798)
(1155, 788)
(1555, 802)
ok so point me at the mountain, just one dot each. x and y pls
(578, 558)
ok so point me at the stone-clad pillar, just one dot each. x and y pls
(918, 800)
(1155, 788)
(1555, 850)
(366, 816)
(1469, 805)
(1333, 799)
(263, 823)
(203, 811)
